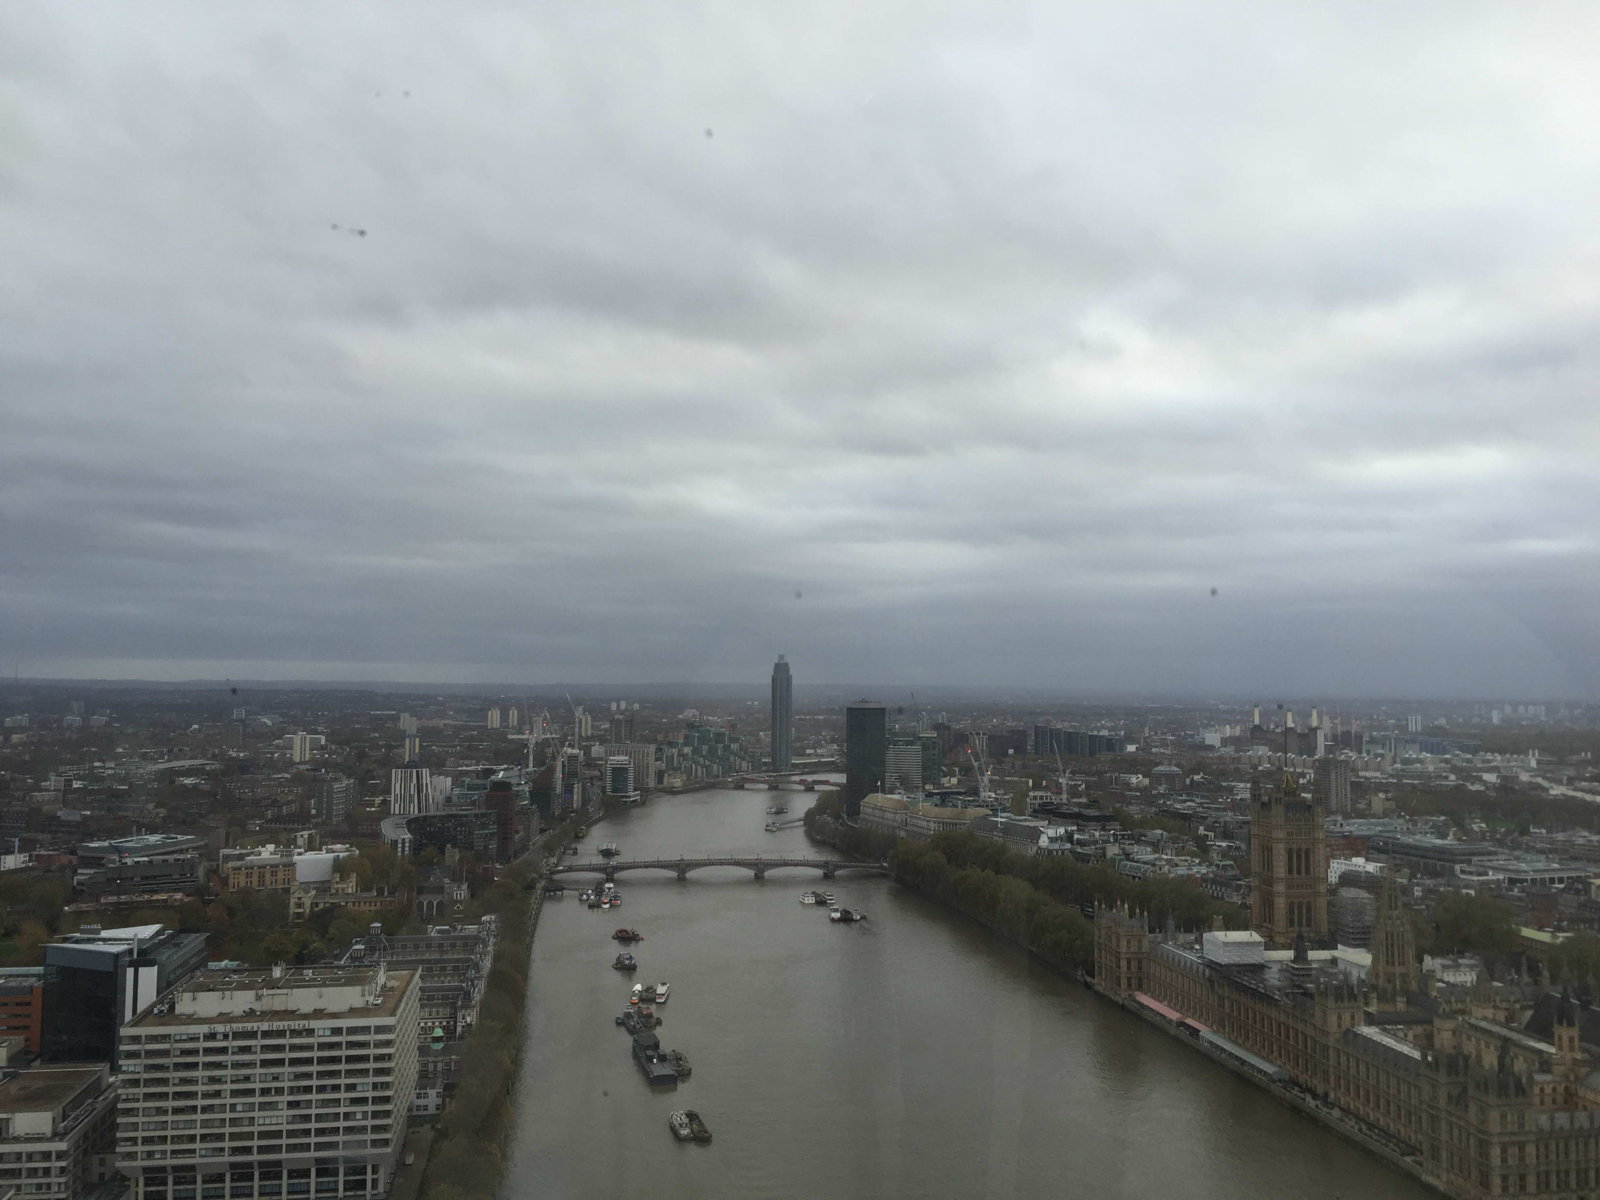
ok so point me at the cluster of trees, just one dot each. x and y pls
(1470, 924)
(824, 822)
(1006, 904)
(1082, 886)
(1038, 902)
(468, 1157)
(1509, 808)
(31, 911)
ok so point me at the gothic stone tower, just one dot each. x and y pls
(1289, 864)
(1121, 949)
(1394, 949)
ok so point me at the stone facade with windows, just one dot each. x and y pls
(57, 1131)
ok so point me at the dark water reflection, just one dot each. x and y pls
(909, 1056)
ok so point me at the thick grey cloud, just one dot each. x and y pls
(1001, 337)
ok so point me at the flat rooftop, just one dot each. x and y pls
(272, 990)
(45, 1089)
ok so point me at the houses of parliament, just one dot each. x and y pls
(1485, 1090)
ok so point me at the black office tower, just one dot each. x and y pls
(95, 982)
(782, 716)
(866, 751)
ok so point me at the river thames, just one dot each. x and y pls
(908, 1056)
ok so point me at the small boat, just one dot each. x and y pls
(697, 1127)
(808, 897)
(638, 991)
(626, 962)
(586, 895)
(827, 898)
(594, 901)
(835, 914)
(661, 992)
(680, 1060)
(772, 827)
(616, 900)
(609, 850)
(777, 810)
(637, 1021)
(627, 935)
(678, 1122)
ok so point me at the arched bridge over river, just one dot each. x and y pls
(681, 867)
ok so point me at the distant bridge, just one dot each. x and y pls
(682, 866)
(775, 783)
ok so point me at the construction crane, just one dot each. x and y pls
(984, 797)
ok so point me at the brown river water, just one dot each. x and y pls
(909, 1056)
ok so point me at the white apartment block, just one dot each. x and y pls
(283, 1083)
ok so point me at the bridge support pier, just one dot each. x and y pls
(683, 870)
(827, 870)
(761, 872)
(611, 873)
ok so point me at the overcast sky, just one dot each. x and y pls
(925, 343)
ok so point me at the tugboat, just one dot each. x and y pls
(697, 1127)
(626, 962)
(678, 1122)
(638, 1022)
(680, 1060)
(628, 935)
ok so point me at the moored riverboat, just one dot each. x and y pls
(657, 1067)
(678, 1122)
(625, 962)
(661, 992)
(680, 1060)
(697, 1126)
(627, 935)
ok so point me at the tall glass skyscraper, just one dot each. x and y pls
(866, 752)
(782, 716)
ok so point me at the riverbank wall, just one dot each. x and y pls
(1326, 1115)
